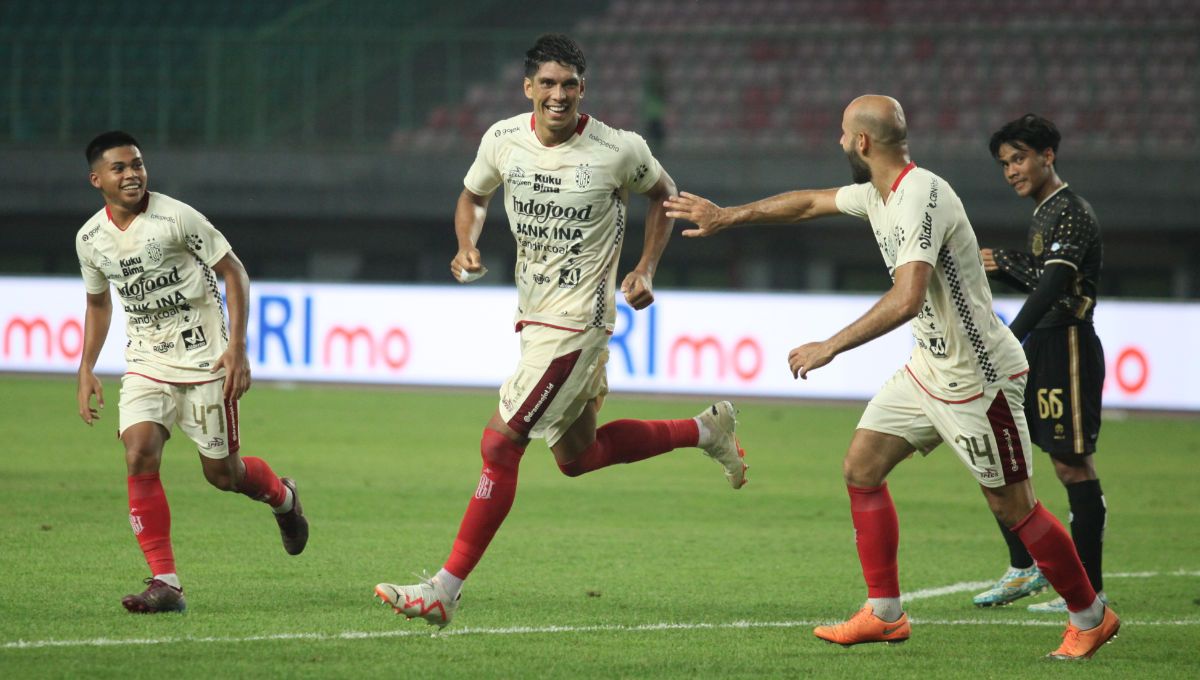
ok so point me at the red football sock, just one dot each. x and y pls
(628, 441)
(1051, 546)
(489, 506)
(877, 534)
(150, 518)
(260, 483)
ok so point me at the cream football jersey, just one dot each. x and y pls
(961, 345)
(566, 208)
(161, 269)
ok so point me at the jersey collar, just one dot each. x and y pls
(583, 121)
(903, 172)
(1056, 192)
(142, 207)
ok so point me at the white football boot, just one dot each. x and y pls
(720, 421)
(426, 600)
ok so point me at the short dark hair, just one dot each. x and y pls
(554, 47)
(1031, 131)
(108, 140)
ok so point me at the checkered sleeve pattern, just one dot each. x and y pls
(965, 317)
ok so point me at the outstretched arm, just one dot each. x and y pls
(237, 299)
(96, 320)
(900, 304)
(786, 208)
(469, 215)
(638, 284)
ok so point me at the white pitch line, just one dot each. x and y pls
(927, 593)
(533, 630)
(966, 586)
(646, 627)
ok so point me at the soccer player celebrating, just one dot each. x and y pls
(963, 384)
(1059, 271)
(567, 177)
(184, 367)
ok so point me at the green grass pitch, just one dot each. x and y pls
(650, 570)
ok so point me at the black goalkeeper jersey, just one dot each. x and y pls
(1064, 230)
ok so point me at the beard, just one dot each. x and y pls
(859, 170)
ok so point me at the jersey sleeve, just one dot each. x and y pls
(924, 222)
(852, 199)
(484, 176)
(93, 279)
(1068, 239)
(639, 169)
(201, 238)
(1016, 268)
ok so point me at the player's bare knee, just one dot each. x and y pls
(858, 472)
(1074, 470)
(141, 461)
(1010, 504)
(222, 475)
(142, 457)
(222, 480)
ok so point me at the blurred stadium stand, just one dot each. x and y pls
(328, 139)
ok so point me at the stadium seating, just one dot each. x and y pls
(1121, 75)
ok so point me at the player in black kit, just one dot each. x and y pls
(1060, 272)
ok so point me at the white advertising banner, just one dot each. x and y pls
(687, 342)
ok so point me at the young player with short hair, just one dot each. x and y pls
(185, 367)
(1060, 272)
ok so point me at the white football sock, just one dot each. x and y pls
(705, 434)
(170, 579)
(288, 503)
(1088, 618)
(449, 583)
(886, 608)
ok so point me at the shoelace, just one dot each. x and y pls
(1070, 635)
(149, 582)
(425, 579)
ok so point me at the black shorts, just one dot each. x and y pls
(1062, 398)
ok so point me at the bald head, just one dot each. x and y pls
(880, 117)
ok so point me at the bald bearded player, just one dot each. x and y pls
(963, 384)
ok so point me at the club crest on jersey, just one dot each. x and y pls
(193, 338)
(1037, 245)
(154, 252)
(583, 176)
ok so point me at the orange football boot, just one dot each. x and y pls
(1082, 644)
(865, 627)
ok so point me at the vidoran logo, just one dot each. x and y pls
(540, 212)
